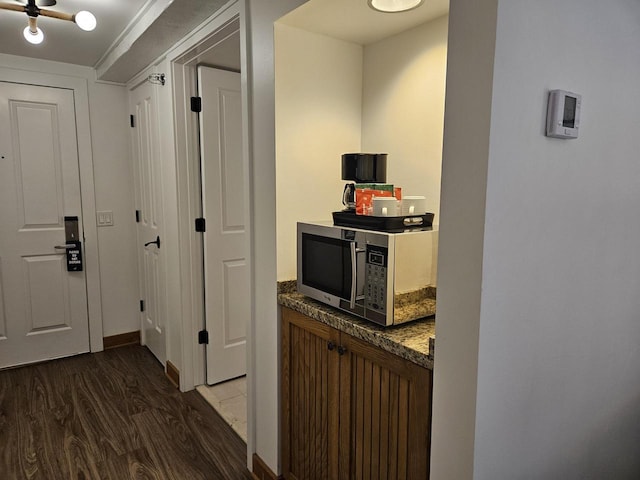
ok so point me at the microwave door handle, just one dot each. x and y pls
(354, 274)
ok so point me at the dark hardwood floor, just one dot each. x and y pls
(111, 415)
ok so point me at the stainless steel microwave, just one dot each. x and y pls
(382, 277)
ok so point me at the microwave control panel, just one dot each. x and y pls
(376, 278)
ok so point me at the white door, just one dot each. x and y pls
(43, 307)
(148, 181)
(226, 276)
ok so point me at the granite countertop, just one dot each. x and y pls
(412, 341)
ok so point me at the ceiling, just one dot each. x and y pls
(119, 49)
(64, 41)
(177, 19)
(130, 33)
(353, 20)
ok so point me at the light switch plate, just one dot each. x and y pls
(105, 218)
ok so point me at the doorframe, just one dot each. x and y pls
(87, 187)
(182, 75)
(183, 62)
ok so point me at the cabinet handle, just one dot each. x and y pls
(331, 345)
(341, 350)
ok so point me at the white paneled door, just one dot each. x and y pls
(43, 307)
(148, 175)
(227, 302)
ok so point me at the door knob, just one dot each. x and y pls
(65, 247)
(156, 242)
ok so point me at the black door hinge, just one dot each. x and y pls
(203, 337)
(201, 225)
(137, 216)
(142, 305)
(196, 104)
(132, 120)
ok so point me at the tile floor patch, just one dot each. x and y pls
(230, 401)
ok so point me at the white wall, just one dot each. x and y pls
(558, 385)
(403, 107)
(318, 118)
(258, 18)
(113, 190)
(461, 231)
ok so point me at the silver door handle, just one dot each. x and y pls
(354, 274)
(65, 247)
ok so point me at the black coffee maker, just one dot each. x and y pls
(361, 168)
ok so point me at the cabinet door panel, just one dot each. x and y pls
(376, 377)
(383, 462)
(309, 398)
(387, 402)
(363, 414)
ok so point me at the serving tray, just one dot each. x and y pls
(402, 223)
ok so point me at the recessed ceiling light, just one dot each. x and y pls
(393, 6)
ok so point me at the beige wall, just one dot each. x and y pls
(318, 118)
(334, 97)
(403, 107)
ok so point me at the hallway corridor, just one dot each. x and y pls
(110, 416)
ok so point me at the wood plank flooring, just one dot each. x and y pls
(111, 416)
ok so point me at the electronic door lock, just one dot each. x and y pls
(73, 245)
(65, 247)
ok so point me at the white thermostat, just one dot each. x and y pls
(563, 114)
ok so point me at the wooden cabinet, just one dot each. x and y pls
(349, 409)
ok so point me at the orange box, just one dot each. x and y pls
(364, 199)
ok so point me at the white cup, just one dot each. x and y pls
(385, 207)
(414, 205)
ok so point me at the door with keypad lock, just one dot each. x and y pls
(43, 291)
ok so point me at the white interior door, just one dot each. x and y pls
(148, 180)
(43, 307)
(226, 277)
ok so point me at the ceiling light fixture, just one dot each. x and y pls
(394, 6)
(32, 33)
